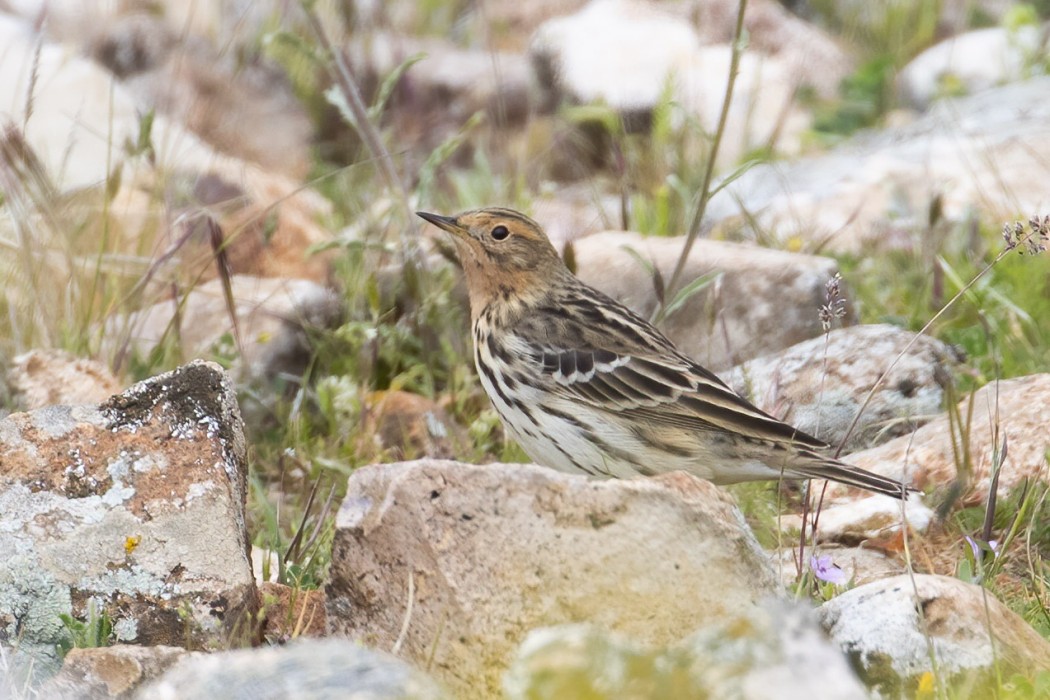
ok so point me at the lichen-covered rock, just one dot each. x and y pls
(105, 673)
(773, 651)
(761, 301)
(134, 507)
(819, 385)
(453, 563)
(1015, 410)
(306, 670)
(47, 377)
(891, 627)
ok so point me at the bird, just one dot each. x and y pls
(584, 384)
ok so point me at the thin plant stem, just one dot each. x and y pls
(709, 170)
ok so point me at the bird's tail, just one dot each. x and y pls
(834, 470)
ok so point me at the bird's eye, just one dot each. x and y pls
(500, 232)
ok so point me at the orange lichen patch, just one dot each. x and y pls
(91, 458)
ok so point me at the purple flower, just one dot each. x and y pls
(825, 570)
(993, 546)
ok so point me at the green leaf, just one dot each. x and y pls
(688, 291)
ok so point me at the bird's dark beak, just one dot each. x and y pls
(445, 223)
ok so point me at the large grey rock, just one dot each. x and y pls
(819, 385)
(763, 301)
(452, 564)
(304, 670)
(1017, 410)
(134, 507)
(979, 153)
(891, 627)
(774, 651)
(971, 62)
(625, 54)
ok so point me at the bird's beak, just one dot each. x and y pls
(445, 223)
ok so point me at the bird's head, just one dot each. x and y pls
(506, 256)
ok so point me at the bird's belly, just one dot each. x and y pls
(568, 436)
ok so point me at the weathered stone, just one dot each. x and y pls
(970, 62)
(575, 211)
(187, 78)
(761, 302)
(819, 385)
(452, 564)
(102, 673)
(870, 518)
(861, 564)
(449, 84)
(289, 613)
(305, 669)
(773, 651)
(1017, 410)
(410, 426)
(813, 58)
(48, 377)
(73, 101)
(981, 153)
(625, 54)
(269, 223)
(273, 317)
(891, 627)
(134, 507)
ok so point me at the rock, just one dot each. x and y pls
(290, 613)
(625, 53)
(819, 385)
(305, 669)
(410, 426)
(970, 62)
(48, 377)
(880, 627)
(269, 223)
(875, 190)
(764, 300)
(575, 211)
(274, 317)
(187, 78)
(927, 459)
(774, 651)
(861, 564)
(73, 101)
(448, 85)
(452, 564)
(872, 518)
(101, 673)
(134, 507)
(812, 58)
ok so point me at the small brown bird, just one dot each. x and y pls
(584, 384)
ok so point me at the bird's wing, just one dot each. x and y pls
(632, 369)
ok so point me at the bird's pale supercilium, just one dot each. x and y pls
(586, 385)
